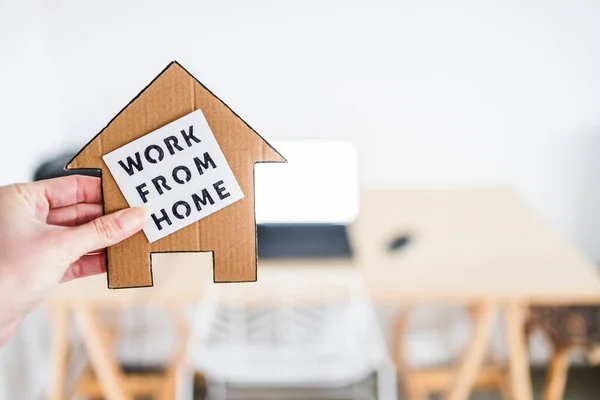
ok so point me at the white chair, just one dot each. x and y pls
(310, 330)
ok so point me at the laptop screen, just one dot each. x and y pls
(318, 185)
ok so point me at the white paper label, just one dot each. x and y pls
(178, 172)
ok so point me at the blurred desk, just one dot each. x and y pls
(478, 243)
(481, 248)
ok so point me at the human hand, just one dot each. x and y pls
(53, 231)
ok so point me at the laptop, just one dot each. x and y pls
(303, 208)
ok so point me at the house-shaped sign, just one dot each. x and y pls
(182, 153)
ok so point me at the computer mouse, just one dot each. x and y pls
(399, 243)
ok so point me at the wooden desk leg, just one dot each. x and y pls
(59, 352)
(518, 359)
(484, 316)
(409, 389)
(174, 368)
(100, 353)
(556, 378)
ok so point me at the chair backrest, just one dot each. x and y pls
(289, 327)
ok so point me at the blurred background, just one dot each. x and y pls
(404, 95)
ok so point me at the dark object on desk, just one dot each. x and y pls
(54, 168)
(303, 241)
(399, 243)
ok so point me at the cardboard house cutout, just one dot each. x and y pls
(230, 233)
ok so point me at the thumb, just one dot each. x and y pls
(106, 230)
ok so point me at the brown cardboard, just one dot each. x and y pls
(230, 234)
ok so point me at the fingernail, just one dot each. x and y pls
(133, 218)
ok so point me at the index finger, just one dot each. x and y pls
(72, 189)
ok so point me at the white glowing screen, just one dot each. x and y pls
(319, 184)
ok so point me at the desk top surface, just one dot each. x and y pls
(465, 245)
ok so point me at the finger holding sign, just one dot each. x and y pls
(74, 215)
(105, 231)
(88, 265)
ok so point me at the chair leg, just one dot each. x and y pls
(405, 375)
(100, 353)
(556, 379)
(504, 388)
(519, 378)
(470, 364)
(176, 365)
(59, 353)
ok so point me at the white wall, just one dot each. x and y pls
(29, 113)
(432, 93)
